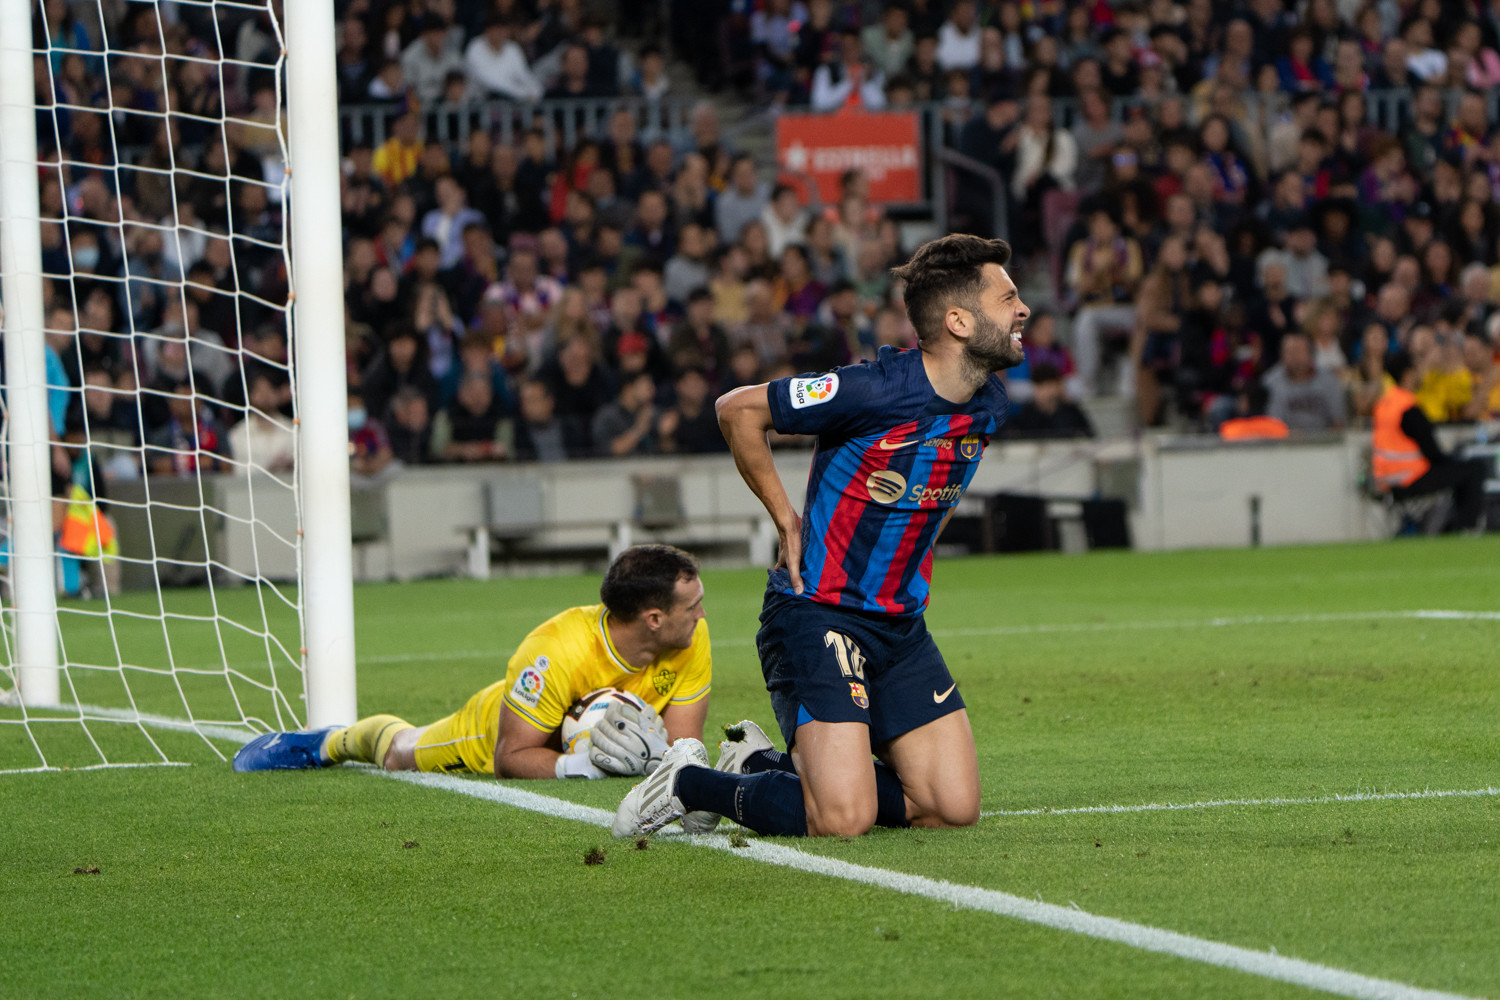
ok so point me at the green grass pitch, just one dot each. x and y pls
(1107, 679)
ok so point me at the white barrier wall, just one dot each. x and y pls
(1181, 492)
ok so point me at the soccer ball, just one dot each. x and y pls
(588, 710)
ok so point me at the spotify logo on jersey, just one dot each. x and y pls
(885, 486)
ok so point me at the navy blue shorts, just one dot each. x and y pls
(831, 664)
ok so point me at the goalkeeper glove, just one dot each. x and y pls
(628, 741)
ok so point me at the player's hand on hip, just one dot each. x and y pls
(628, 741)
(791, 550)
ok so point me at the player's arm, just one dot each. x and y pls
(686, 720)
(522, 751)
(745, 418)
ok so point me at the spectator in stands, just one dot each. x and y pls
(765, 328)
(189, 442)
(784, 218)
(1103, 279)
(445, 224)
(849, 81)
(627, 426)
(403, 363)
(1324, 328)
(472, 427)
(1484, 375)
(410, 428)
(889, 43)
(1165, 296)
(1406, 459)
(1306, 269)
(689, 425)
(1300, 394)
(795, 288)
(426, 62)
(958, 38)
(1042, 348)
(741, 202)
(1444, 385)
(540, 434)
(697, 341)
(578, 381)
(1048, 413)
(653, 231)
(261, 441)
(1273, 313)
(370, 453)
(496, 63)
(1097, 137)
(1046, 160)
(574, 82)
(650, 78)
(687, 269)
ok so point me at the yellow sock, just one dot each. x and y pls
(367, 740)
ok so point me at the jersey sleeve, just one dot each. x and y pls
(537, 682)
(846, 400)
(697, 673)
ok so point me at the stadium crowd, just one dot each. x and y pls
(1203, 186)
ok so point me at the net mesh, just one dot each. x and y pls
(166, 277)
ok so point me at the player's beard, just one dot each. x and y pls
(991, 348)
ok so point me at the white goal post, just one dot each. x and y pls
(307, 622)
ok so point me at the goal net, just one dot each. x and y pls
(153, 509)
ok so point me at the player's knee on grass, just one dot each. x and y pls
(846, 816)
(402, 755)
(943, 806)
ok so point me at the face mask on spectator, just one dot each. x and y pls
(86, 258)
(357, 417)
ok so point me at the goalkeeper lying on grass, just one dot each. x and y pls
(647, 637)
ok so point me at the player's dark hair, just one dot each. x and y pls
(944, 272)
(645, 577)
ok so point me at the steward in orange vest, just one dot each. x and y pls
(1405, 458)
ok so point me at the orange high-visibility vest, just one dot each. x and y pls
(85, 530)
(1253, 429)
(1395, 459)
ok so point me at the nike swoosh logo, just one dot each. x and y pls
(940, 698)
(887, 445)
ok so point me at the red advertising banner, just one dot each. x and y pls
(882, 144)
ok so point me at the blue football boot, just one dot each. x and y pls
(283, 751)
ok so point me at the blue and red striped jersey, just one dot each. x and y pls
(892, 460)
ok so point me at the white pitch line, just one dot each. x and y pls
(1266, 965)
(1458, 793)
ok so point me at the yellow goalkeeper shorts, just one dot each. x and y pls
(465, 740)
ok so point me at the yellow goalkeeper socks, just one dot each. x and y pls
(367, 740)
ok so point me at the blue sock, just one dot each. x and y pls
(769, 803)
(890, 800)
(768, 760)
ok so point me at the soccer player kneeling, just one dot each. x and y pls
(647, 637)
(846, 654)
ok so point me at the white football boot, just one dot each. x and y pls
(732, 753)
(653, 803)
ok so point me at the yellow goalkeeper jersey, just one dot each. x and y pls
(562, 659)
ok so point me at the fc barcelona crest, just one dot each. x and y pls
(968, 448)
(857, 692)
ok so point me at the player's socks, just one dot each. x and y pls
(367, 740)
(890, 800)
(769, 803)
(768, 760)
